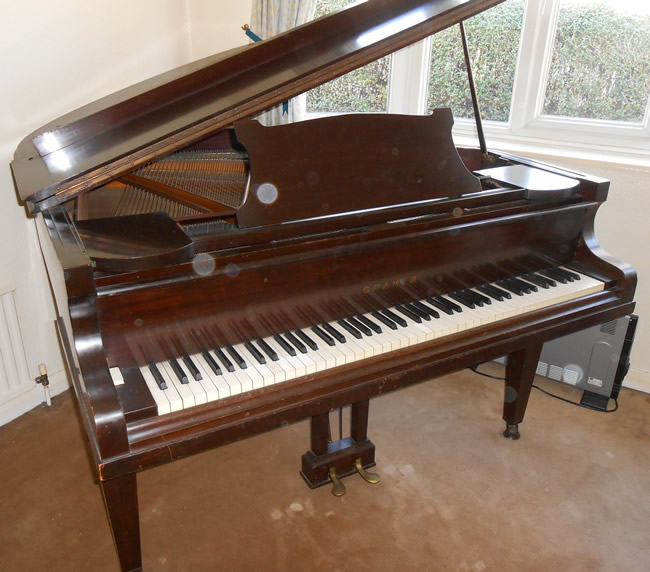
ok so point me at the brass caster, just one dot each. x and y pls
(338, 490)
(512, 431)
(372, 478)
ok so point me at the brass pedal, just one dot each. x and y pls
(372, 478)
(338, 490)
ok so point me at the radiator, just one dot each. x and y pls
(14, 374)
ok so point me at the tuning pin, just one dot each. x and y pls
(372, 478)
(338, 490)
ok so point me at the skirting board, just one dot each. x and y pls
(27, 400)
(637, 379)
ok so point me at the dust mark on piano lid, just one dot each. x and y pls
(231, 270)
(203, 264)
(267, 193)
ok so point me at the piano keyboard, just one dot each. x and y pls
(180, 383)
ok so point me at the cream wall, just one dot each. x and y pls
(216, 25)
(56, 56)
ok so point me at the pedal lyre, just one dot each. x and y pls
(338, 490)
(372, 478)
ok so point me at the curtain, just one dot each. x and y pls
(272, 17)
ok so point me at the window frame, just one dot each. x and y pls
(528, 130)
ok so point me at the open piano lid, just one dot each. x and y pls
(114, 135)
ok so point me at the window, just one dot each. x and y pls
(570, 76)
(362, 90)
(493, 38)
(600, 67)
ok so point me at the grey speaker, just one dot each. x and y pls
(595, 360)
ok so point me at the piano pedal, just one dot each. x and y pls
(338, 490)
(512, 431)
(372, 478)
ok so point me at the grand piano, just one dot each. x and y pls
(215, 278)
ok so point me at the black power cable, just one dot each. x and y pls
(474, 368)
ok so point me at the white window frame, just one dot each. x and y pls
(528, 129)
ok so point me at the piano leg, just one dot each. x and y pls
(121, 502)
(520, 373)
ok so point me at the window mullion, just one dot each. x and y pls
(408, 79)
(533, 62)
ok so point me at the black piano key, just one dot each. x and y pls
(394, 317)
(507, 285)
(332, 331)
(234, 354)
(428, 309)
(267, 349)
(408, 313)
(359, 325)
(153, 368)
(548, 281)
(570, 276)
(493, 292)
(374, 327)
(323, 336)
(384, 320)
(548, 272)
(305, 338)
(351, 329)
(462, 299)
(214, 366)
(224, 360)
(418, 311)
(286, 346)
(257, 354)
(526, 286)
(472, 296)
(196, 374)
(440, 306)
(455, 307)
(178, 370)
(481, 297)
(537, 280)
(296, 342)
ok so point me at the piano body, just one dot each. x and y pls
(216, 279)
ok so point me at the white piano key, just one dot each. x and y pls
(186, 394)
(207, 382)
(218, 381)
(282, 362)
(194, 386)
(162, 403)
(116, 375)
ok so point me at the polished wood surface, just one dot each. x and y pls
(356, 161)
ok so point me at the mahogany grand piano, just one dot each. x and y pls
(215, 278)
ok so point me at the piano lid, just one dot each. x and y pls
(114, 135)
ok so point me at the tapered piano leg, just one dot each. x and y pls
(121, 502)
(520, 373)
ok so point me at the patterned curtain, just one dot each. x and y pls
(272, 17)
